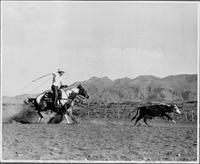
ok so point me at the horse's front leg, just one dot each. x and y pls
(66, 116)
(41, 117)
(63, 114)
(67, 119)
(73, 118)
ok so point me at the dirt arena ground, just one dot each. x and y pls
(100, 140)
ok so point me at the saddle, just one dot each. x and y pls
(48, 96)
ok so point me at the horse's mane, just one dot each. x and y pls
(71, 87)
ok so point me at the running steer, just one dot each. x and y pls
(161, 110)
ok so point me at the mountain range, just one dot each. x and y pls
(142, 88)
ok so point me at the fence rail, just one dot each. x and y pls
(121, 110)
(126, 111)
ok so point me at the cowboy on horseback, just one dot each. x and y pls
(56, 85)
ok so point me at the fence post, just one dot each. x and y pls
(88, 110)
(192, 115)
(124, 111)
(105, 112)
(118, 112)
(186, 116)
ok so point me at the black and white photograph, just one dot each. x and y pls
(99, 81)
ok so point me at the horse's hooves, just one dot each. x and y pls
(174, 121)
(63, 122)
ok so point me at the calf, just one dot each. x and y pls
(160, 110)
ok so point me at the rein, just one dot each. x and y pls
(64, 99)
(79, 96)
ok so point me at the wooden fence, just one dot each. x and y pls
(126, 111)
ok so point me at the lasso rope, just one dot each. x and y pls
(22, 90)
(39, 86)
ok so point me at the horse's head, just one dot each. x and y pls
(82, 91)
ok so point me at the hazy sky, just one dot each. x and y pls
(114, 39)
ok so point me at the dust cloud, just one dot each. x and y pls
(23, 113)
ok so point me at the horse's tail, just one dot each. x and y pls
(26, 100)
(135, 114)
(40, 106)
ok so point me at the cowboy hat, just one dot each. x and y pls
(60, 71)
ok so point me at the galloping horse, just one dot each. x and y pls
(44, 101)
